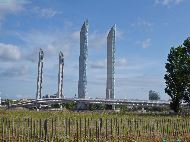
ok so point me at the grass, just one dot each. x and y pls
(94, 126)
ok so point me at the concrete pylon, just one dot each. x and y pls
(82, 83)
(40, 75)
(111, 39)
(60, 76)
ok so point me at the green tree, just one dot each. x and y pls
(154, 95)
(177, 75)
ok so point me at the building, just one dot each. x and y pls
(82, 83)
(110, 63)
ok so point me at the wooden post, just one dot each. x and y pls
(40, 130)
(9, 133)
(52, 129)
(55, 127)
(89, 128)
(111, 129)
(77, 134)
(118, 131)
(66, 127)
(45, 129)
(96, 130)
(100, 126)
(80, 129)
(85, 128)
(2, 123)
(69, 127)
(13, 129)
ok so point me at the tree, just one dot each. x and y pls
(154, 95)
(187, 92)
(177, 75)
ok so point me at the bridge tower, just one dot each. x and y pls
(111, 39)
(82, 83)
(60, 76)
(40, 75)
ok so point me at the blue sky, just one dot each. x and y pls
(146, 29)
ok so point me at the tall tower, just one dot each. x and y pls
(40, 75)
(82, 83)
(60, 76)
(110, 63)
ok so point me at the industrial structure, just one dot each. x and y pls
(110, 63)
(40, 75)
(82, 83)
(82, 102)
(60, 76)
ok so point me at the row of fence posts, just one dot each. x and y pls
(81, 129)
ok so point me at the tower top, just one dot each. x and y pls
(112, 31)
(113, 27)
(61, 54)
(41, 54)
(85, 24)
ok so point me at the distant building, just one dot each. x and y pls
(46, 96)
(53, 96)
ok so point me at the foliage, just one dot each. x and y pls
(70, 105)
(154, 95)
(96, 106)
(177, 77)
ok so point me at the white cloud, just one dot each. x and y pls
(101, 64)
(97, 40)
(168, 2)
(142, 23)
(145, 43)
(11, 6)
(46, 12)
(121, 62)
(9, 52)
(50, 41)
(14, 71)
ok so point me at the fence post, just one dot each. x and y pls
(96, 130)
(80, 128)
(66, 127)
(69, 127)
(111, 129)
(2, 123)
(106, 129)
(77, 130)
(40, 130)
(85, 128)
(46, 129)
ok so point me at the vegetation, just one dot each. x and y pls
(154, 95)
(177, 75)
(91, 126)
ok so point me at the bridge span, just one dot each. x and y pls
(132, 103)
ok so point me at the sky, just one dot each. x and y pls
(145, 32)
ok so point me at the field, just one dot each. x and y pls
(33, 126)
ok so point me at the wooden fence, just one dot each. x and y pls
(89, 129)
